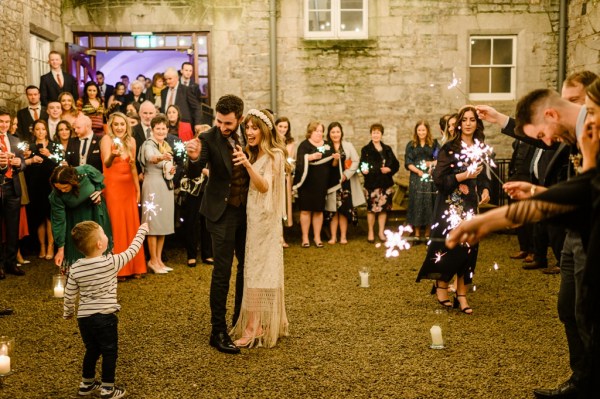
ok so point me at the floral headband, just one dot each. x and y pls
(262, 117)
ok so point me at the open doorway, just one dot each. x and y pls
(114, 64)
(145, 53)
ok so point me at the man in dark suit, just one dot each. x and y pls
(106, 90)
(224, 206)
(542, 115)
(56, 81)
(187, 79)
(142, 131)
(178, 94)
(85, 148)
(11, 164)
(33, 111)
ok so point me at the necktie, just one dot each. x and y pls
(83, 147)
(59, 80)
(9, 172)
(170, 99)
(148, 133)
(36, 116)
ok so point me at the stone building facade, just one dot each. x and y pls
(398, 75)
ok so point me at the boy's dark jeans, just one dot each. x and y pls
(99, 334)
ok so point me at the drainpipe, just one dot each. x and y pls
(273, 53)
(562, 45)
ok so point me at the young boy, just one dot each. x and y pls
(95, 279)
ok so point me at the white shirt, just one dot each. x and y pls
(88, 144)
(52, 128)
(39, 110)
(58, 72)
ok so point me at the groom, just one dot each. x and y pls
(224, 206)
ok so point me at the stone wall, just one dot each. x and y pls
(584, 36)
(401, 73)
(397, 76)
(20, 18)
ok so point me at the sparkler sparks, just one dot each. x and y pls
(454, 216)
(23, 146)
(438, 256)
(364, 167)
(150, 208)
(117, 142)
(395, 242)
(426, 177)
(323, 149)
(454, 84)
(475, 155)
(179, 148)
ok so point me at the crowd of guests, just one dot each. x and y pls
(124, 159)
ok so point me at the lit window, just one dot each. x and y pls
(492, 72)
(336, 19)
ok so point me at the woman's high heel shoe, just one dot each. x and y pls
(456, 305)
(446, 303)
(156, 269)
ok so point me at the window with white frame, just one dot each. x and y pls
(39, 49)
(492, 69)
(336, 19)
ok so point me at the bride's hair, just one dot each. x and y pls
(269, 140)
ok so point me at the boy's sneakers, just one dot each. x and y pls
(88, 389)
(112, 393)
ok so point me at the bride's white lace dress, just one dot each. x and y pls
(262, 316)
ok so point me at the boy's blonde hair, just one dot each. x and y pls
(85, 236)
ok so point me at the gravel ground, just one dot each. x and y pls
(345, 341)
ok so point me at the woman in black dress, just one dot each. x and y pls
(460, 191)
(41, 158)
(378, 164)
(313, 163)
(419, 160)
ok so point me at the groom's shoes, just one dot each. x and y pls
(223, 343)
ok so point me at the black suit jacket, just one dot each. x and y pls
(49, 89)
(14, 141)
(129, 98)
(186, 101)
(140, 136)
(215, 151)
(25, 121)
(93, 155)
(110, 89)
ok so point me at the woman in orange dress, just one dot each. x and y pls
(122, 191)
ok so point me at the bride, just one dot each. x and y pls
(262, 317)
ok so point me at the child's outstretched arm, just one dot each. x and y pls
(124, 257)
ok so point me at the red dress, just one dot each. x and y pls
(120, 197)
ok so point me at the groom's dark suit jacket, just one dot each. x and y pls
(216, 152)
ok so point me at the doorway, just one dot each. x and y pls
(145, 53)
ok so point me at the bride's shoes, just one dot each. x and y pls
(247, 341)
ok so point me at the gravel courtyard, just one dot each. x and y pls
(345, 341)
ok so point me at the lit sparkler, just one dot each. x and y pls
(364, 167)
(426, 177)
(323, 149)
(395, 242)
(179, 148)
(150, 208)
(438, 256)
(23, 146)
(475, 155)
(454, 84)
(454, 216)
(117, 142)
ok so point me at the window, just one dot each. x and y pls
(39, 49)
(336, 19)
(492, 73)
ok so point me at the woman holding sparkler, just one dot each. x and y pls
(311, 178)
(419, 160)
(76, 197)
(158, 206)
(461, 188)
(284, 130)
(378, 164)
(344, 193)
(262, 317)
(122, 192)
(41, 157)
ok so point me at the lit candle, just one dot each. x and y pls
(364, 278)
(4, 364)
(437, 342)
(59, 291)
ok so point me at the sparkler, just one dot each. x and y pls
(150, 208)
(179, 148)
(364, 167)
(58, 156)
(426, 177)
(324, 148)
(438, 256)
(477, 154)
(395, 242)
(454, 85)
(454, 215)
(117, 142)
(23, 146)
